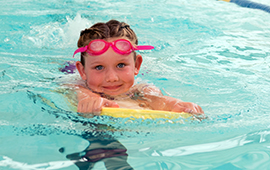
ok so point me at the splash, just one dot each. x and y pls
(55, 35)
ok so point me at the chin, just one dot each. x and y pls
(116, 93)
(113, 94)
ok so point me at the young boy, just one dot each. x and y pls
(109, 65)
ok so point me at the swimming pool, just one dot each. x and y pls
(212, 53)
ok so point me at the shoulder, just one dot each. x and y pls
(148, 89)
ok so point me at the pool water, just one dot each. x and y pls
(212, 53)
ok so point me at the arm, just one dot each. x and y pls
(158, 101)
(91, 103)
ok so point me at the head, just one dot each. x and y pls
(110, 72)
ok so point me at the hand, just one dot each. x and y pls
(93, 105)
(187, 107)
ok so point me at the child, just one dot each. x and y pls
(108, 66)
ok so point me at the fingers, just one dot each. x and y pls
(93, 105)
(98, 104)
(188, 108)
(108, 103)
(199, 110)
(85, 106)
(90, 105)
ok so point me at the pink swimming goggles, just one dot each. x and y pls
(120, 46)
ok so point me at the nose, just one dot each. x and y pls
(111, 75)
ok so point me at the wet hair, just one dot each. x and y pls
(110, 29)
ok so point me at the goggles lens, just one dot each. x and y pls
(123, 46)
(96, 46)
(120, 46)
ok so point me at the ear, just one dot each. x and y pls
(138, 64)
(81, 70)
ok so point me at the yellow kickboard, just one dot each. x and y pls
(126, 113)
(142, 114)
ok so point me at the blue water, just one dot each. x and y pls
(212, 53)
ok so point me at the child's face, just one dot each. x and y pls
(110, 73)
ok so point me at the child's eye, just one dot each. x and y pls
(121, 65)
(100, 67)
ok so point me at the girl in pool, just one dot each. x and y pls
(108, 68)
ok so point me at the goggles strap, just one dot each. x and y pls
(79, 50)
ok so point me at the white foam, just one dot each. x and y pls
(73, 28)
(8, 162)
(54, 35)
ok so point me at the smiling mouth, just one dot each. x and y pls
(112, 87)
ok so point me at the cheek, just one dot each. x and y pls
(93, 83)
(129, 76)
(93, 79)
(90, 81)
